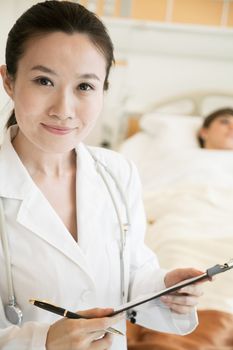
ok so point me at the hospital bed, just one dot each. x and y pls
(188, 197)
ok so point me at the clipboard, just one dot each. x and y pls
(212, 271)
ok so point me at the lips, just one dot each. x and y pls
(58, 130)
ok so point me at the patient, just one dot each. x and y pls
(191, 201)
(217, 130)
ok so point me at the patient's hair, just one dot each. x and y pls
(208, 120)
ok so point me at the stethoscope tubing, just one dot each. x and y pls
(123, 226)
(6, 251)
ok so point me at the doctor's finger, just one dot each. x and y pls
(185, 300)
(175, 276)
(96, 312)
(100, 313)
(181, 309)
(97, 324)
(103, 343)
(194, 289)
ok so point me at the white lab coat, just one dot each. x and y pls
(47, 263)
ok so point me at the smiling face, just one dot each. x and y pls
(219, 134)
(58, 91)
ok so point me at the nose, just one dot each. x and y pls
(62, 106)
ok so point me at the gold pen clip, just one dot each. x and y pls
(32, 301)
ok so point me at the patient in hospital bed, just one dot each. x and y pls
(188, 196)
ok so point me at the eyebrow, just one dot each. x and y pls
(45, 69)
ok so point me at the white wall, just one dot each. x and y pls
(165, 60)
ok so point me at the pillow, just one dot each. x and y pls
(184, 106)
(172, 131)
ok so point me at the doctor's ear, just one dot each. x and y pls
(8, 81)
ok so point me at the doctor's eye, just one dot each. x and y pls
(85, 87)
(43, 81)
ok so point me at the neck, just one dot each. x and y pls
(37, 161)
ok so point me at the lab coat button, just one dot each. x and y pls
(85, 295)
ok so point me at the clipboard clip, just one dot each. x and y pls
(219, 268)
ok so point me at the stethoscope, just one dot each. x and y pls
(12, 311)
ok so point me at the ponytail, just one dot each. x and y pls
(12, 120)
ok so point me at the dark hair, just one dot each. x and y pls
(208, 120)
(55, 16)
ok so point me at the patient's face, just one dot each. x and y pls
(219, 135)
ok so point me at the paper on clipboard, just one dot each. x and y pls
(216, 269)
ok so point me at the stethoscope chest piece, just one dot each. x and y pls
(13, 314)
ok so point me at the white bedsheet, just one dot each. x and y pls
(189, 194)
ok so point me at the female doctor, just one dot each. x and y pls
(73, 217)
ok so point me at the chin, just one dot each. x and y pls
(227, 147)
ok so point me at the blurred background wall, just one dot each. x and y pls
(207, 12)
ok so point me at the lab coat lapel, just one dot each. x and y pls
(93, 203)
(35, 213)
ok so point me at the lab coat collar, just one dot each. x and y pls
(16, 183)
(92, 197)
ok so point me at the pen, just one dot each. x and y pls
(65, 313)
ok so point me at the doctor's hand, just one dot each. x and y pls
(185, 299)
(83, 334)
